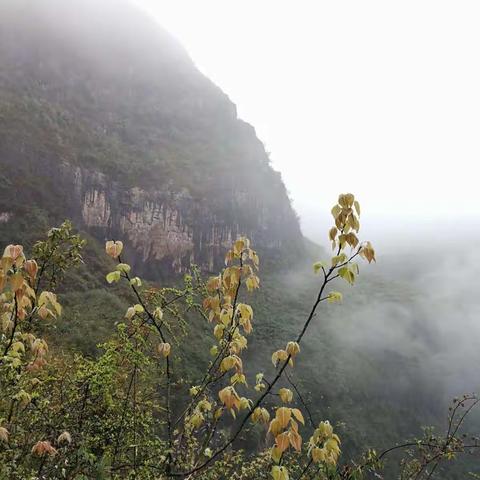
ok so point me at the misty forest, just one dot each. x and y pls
(163, 315)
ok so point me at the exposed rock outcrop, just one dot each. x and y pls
(110, 124)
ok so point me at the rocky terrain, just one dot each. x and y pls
(104, 119)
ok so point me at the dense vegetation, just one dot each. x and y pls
(137, 411)
(107, 93)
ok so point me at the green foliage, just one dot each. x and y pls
(137, 411)
(58, 253)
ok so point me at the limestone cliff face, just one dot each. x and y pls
(166, 231)
(104, 119)
(151, 224)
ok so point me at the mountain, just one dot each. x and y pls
(104, 119)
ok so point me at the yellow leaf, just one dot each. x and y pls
(13, 252)
(158, 313)
(279, 355)
(16, 281)
(31, 268)
(347, 274)
(218, 331)
(338, 259)
(164, 349)
(348, 199)
(252, 282)
(283, 415)
(317, 266)
(332, 233)
(213, 284)
(295, 440)
(368, 252)
(276, 454)
(114, 249)
(226, 316)
(282, 441)
(229, 397)
(319, 454)
(325, 429)
(265, 416)
(43, 312)
(113, 277)
(336, 210)
(43, 448)
(238, 378)
(357, 207)
(197, 419)
(4, 434)
(279, 473)
(352, 239)
(123, 268)
(275, 427)
(136, 282)
(286, 395)
(227, 363)
(254, 258)
(245, 311)
(293, 348)
(334, 297)
(245, 403)
(298, 415)
(204, 405)
(238, 246)
(64, 437)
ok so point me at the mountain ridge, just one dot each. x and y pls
(109, 109)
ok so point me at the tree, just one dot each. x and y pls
(131, 414)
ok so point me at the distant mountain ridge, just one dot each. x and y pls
(105, 119)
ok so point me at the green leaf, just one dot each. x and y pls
(317, 266)
(138, 308)
(136, 282)
(347, 274)
(123, 267)
(113, 277)
(334, 297)
(339, 259)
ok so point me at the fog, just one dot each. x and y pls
(381, 100)
(378, 98)
(424, 306)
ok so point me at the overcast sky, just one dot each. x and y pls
(380, 98)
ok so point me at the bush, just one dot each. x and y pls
(132, 413)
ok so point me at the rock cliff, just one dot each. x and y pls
(104, 119)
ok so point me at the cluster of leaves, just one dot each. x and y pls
(57, 254)
(130, 413)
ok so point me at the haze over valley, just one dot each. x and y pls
(137, 340)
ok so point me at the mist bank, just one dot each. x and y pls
(424, 307)
(395, 234)
(390, 357)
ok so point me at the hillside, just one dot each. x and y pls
(105, 119)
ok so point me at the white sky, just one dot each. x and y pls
(380, 98)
